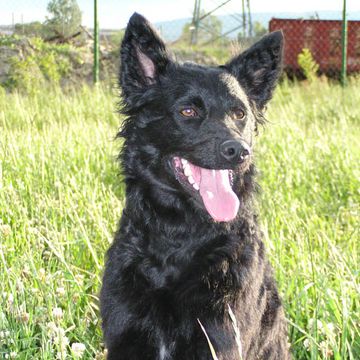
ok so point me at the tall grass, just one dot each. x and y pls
(61, 197)
(310, 206)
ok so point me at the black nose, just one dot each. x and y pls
(232, 150)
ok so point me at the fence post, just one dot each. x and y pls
(195, 23)
(344, 45)
(243, 18)
(96, 44)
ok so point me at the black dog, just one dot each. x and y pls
(188, 251)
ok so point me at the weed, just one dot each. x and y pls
(61, 196)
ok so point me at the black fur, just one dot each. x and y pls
(171, 264)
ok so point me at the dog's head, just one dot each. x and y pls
(190, 128)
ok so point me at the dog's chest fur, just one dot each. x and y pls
(167, 293)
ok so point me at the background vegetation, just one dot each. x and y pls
(61, 196)
(60, 50)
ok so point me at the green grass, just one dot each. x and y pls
(61, 197)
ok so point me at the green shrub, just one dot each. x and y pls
(308, 64)
(49, 68)
(34, 28)
(38, 61)
(10, 41)
(25, 74)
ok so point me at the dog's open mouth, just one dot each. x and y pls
(213, 186)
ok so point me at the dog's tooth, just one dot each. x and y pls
(196, 187)
(187, 170)
(191, 180)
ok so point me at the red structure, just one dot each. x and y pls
(323, 38)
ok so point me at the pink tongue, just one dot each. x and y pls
(219, 199)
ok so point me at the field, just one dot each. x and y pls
(61, 196)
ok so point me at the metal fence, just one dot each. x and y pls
(204, 29)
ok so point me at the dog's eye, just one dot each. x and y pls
(188, 112)
(239, 114)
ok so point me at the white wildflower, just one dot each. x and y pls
(325, 349)
(10, 299)
(307, 344)
(4, 334)
(60, 291)
(316, 324)
(20, 285)
(24, 317)
(320, 326)
(59, 339)
(42, 274)
(101, 355)
(330, 327)
(5, 230)
(57, 313)
(79, 278)
(52, 327)
(78, 349)
(26, 271)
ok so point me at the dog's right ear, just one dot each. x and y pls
(143, 57)
(258, 68)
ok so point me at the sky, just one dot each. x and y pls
(114, 14)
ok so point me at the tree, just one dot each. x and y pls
(210, 27)
(259, 29)
(66, 18)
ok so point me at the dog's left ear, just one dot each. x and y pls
(143, 57)
(258, 68)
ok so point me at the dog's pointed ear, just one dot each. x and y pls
(258, 68)
(143, 56)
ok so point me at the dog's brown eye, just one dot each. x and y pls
(189, 112)
(239, 114)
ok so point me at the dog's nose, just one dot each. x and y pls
(234, 151)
